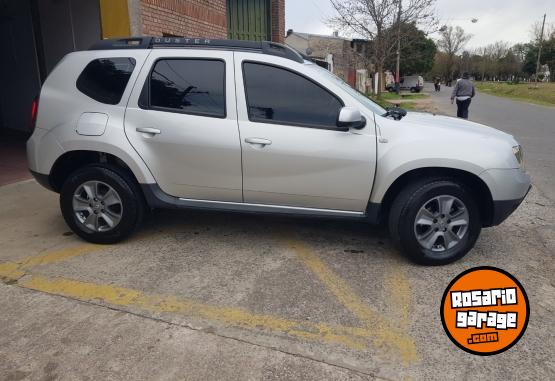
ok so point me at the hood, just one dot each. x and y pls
(433, 122)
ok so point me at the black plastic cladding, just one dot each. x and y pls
(264, 47)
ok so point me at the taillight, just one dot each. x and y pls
(34, 112)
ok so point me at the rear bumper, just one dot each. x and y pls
(503, 209)
(43, 180)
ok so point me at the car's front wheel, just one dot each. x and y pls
(436, 221)
(101, 204)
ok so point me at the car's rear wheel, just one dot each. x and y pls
(436, 221)
(101, 204)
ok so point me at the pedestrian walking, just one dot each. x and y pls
(437, 84)
(463, 92)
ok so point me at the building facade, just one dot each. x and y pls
(41, 32)
(348, 59)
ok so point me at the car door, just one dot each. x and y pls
(182, 120)
(293, 152)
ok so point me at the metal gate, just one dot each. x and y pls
(249, 20)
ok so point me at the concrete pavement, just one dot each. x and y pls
(221, 296)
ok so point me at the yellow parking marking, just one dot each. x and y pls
(400, 291)
(59, 255)
(10, 272)
(15, 270)
(375, 328)
(381, 329)
(350, 337)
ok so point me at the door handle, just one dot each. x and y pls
(149, 130)
(258, 141)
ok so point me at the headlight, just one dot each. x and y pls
(517, 151)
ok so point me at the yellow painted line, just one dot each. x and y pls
(10, 271)
(399, 291)
(381, 329)
(59, 255)
(350, 337)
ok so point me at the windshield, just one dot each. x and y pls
(366, 102)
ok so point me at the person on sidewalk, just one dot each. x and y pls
(463, 92)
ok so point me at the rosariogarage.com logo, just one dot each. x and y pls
(485, 311)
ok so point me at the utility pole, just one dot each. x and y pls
(397, 74)
(540, 51)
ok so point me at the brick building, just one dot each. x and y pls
(239, 19)
(41, 32)
(346, 58)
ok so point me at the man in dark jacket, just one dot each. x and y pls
(463, 92)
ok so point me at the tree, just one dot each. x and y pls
(536, 28)
(452, 41)
(375, 20)
(547, 57)
(417, 51)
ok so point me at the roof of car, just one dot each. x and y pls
(264, 47)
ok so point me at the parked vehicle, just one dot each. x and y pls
(413, 83)
(145, 123)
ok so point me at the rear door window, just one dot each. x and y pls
(189, 86)
(105, 79)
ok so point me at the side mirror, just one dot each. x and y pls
(350, 117)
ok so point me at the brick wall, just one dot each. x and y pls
(190, 18)
(278, 20)
(198, 18)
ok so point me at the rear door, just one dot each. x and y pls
(182, 120)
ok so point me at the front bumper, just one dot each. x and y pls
(508, 187)
(503, 209)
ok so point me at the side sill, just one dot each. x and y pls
(158, 199)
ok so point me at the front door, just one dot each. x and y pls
(293, 153)
(184, 124)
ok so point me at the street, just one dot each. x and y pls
(222, 296)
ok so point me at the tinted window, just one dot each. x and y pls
(105, 79)
(191, 86)
(281, 96)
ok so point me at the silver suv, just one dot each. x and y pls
(144, 123)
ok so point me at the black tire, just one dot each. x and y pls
(126, 187)
(405, 208)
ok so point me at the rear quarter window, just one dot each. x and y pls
(105, 79)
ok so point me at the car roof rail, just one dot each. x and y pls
(264, 47)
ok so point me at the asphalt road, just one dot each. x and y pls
(533, 126)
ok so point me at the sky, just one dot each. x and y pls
(506, 20)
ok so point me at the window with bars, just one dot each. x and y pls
(249, 20)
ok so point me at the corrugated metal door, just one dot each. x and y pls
(249, 20)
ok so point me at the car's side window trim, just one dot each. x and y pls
(267, 121)
(144, 101)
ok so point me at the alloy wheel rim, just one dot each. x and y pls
(97, 206)
(441, 223)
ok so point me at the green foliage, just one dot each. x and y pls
(547, 57)
(417, 52)
(543, 94)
